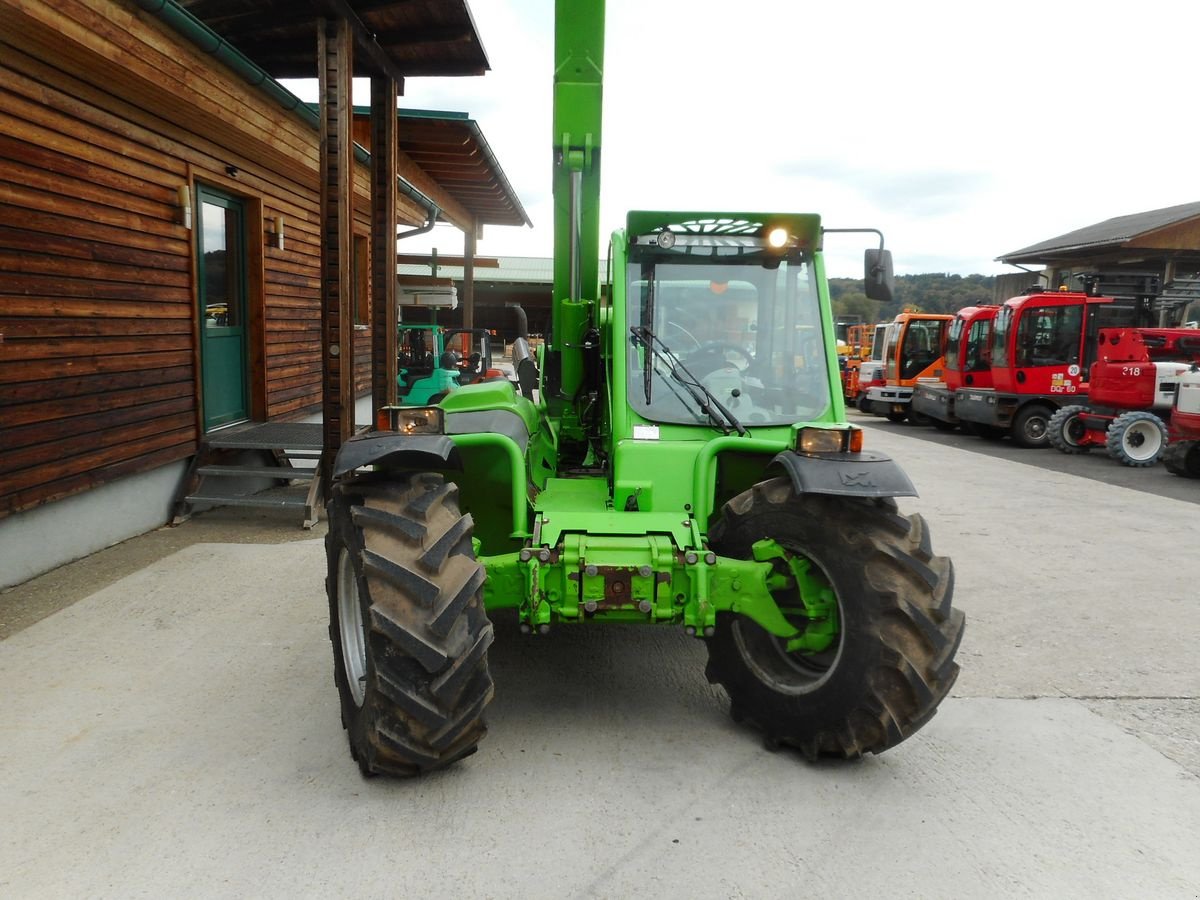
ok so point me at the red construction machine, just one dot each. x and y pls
(1042, 347)
(1183, 453)
(1132, 382)
(968, 364)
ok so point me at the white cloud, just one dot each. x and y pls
(962, 130)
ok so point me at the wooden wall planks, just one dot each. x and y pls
(107, 114)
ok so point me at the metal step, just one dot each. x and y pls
(286, 441)
(258, 500)
(288, 436)
(285, 473)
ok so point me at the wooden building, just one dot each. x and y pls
(161, 226)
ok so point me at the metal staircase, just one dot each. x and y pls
(219, 474)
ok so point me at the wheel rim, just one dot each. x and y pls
(1142, 441)
(1035, 428)
(1074, 431)
(767, 656)
(350, 628)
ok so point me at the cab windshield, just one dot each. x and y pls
(952, 338)
(749, 334)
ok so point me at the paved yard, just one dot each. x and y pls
(175, 731)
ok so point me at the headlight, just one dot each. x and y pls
(777, 238)
(829, 440)
(410, 419)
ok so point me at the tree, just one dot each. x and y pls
(857, 303)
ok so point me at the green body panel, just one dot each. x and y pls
(488, 395)
(440, 381)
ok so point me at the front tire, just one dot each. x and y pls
(407, 623)
(892, 662)
(1136, 439)
(1030, 426)
(1066, 431)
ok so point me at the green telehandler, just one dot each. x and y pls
(683, 460)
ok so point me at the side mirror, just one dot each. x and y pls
(879, 282)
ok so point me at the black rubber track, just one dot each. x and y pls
(899, 631)
(427, 634)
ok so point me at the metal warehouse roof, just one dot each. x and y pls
(1109, 234)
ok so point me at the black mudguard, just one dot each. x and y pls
(845, 474)
(420, 452)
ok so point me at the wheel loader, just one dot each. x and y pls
(679, 458)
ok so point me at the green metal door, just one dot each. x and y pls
(221, 271)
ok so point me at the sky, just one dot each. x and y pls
(962, 130)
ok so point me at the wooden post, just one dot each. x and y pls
(384, 311)
(335, 64)
(468, 304)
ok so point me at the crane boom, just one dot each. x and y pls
(578, 88)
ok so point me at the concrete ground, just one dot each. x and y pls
(172, 730)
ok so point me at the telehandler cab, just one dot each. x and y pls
(685, 461)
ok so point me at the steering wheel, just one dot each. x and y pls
(687, 334)
(714, 355)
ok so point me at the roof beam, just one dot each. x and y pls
(364, 41)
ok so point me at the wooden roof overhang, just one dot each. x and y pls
(451, 149)
(398, 38)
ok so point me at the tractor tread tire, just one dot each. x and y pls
(1182, 458)
(1060, 428)
(1129, 452)
(426, 633)
(895, 660)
